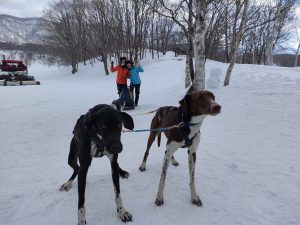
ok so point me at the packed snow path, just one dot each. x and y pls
(248, 162)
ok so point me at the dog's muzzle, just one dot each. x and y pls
(112, 146)
(115, 148)
(215, 108)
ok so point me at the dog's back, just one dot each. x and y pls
(159, 121)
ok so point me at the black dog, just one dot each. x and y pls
(98, 133)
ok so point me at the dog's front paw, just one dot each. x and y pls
(124, 174)
(159, 201)
(124, 215)
(175, 163)
(142, 168)
(82, 223)
(196, 201)
(81, 216)
(66, 186)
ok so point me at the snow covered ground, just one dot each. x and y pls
(248, 163)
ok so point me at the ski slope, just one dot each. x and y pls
(248, 162)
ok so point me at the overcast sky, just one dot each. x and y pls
(23, 8)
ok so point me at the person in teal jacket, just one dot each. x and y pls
(135, 80)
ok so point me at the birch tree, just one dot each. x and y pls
(236, 38)
(272, 32)
(298, 40)
(280, 13)
(189, 66)
(193, 23)
(199, 45)
(183, 16)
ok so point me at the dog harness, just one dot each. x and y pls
(188, 141)
(97, 140)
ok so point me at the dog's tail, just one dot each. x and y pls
(156, 123)
(158, 139)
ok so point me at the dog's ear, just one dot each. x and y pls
(185, 101)
(190, 90)
(127, 121)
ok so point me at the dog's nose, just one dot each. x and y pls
(116, 148)
(216, 108)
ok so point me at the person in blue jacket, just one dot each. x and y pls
(135, 80)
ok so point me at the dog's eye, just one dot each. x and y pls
(120, 125)
(104, 127)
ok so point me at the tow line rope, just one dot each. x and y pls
(182, 124)
(140, 114)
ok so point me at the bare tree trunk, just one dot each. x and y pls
(199, 46)
(253, 56)
(272, 32)
(157, 39)
(189, 70)
(270, 45)
(226, 24)
(235, 43)
(152, 37)
(74, 65)
(104, 58)
(136, 34)
(188, 81)
(296, 56)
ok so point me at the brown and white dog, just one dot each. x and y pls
(192, 110)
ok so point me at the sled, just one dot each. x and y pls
(127, 97)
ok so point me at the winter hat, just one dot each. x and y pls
(129, 61)
(122, 58)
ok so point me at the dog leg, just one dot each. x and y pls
(171, 148)
(115, 169)
(66, 186)
(72, 161)
(192, 161)
(84, 166)
(81, 216)
(123, 174)
(174, 162)
(149, 144)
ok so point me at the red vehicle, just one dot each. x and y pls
(12, 65)
(14, 72)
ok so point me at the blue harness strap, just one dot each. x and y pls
(164, 128)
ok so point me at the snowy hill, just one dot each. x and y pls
(247, 168)
(20, 30)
